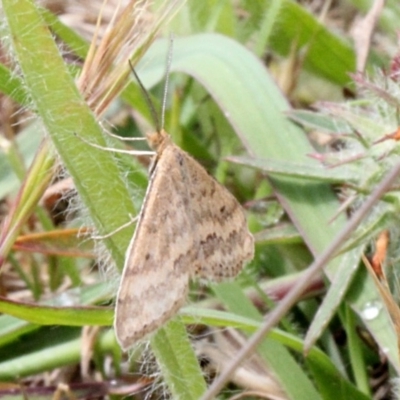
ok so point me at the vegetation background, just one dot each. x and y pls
(246, 79)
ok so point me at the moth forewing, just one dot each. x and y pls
(189, 226)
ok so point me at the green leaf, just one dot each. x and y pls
(296, 170)
(182, 364)
(46, 315)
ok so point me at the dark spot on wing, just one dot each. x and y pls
(179, 156)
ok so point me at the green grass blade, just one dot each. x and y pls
(315, 172)
(183, 365)
(64, 114)
(46, 315)
(335, 295)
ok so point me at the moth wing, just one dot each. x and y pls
(155, 277)
(224, 241)
(189, 226)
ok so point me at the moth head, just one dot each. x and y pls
(158, 140)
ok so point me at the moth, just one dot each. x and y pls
(189, 226)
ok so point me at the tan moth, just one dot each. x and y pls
(189, 226)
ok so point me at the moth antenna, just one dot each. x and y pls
(167, 73)
(146, 95)
(150, 104)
